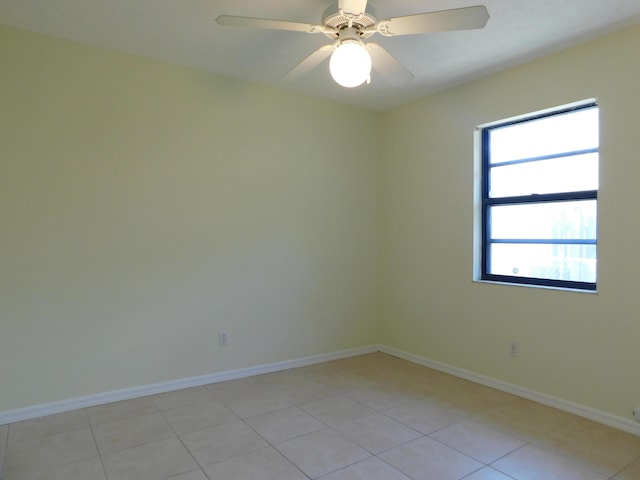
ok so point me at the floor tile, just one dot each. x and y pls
(192, 475)
(305, 392)
(131, 432)
(598, 431)
(632, 472)
(531, 463)
(321, 369)
(347, 380)
(154, 461)
(426, 459)
(370, 469)
(119, 410)
(425, 417)
(325, 421)
(223, 442)
(487, 473)
(377, 433)
(28, 457)
(383, 372)
(338, 373)
(427, 382)
(180, 398)
(379, 398)
(250, 404)
(84, 470)
(4, 431)
(472, 398)
(191, 418)
(51, 424)
(602, 448)
(525, 419)
(283, 378)
(336, 410)
(284, 424)
(321, 452)
(242, 388)
(478, 441)
(265, 464)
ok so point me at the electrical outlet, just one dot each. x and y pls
(223, 339)
(636, 413)
(514, 350)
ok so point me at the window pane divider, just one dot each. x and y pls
(541, 158)
(544, 241)
(542, 198)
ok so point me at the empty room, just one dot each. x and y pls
(337, 240)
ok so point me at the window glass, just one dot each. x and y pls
(566, 174)
(566, 132)
(545, 221)
(552, 262)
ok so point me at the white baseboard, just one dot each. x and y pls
(141, 391)
(134, 392)
(594, 414)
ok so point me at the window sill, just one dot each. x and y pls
(543, 287)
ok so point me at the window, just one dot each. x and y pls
(540, 197)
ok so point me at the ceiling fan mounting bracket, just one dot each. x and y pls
(336, 20)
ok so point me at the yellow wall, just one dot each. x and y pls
(580, 347)
(145, 206)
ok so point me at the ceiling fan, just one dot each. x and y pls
(348, 23)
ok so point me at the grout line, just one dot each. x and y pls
(422, 435)
(4, 451)
(494, 469)
(561, 455)
(348, 466)
(200, 467)
(393, 466)
(273, 445)
(95, 441)
(637, 459)
(184, 473)
(482, 462)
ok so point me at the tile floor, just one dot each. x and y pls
(372, 417)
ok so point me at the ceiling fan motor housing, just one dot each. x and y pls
(333, 18)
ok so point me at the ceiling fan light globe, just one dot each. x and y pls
(350, 64)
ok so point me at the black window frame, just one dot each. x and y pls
(488, 202)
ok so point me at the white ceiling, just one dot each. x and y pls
(184, 32)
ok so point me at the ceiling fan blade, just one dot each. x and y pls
(386, 64)
(352, 7)
(467, 18)
(233, 21)
(308, 64)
